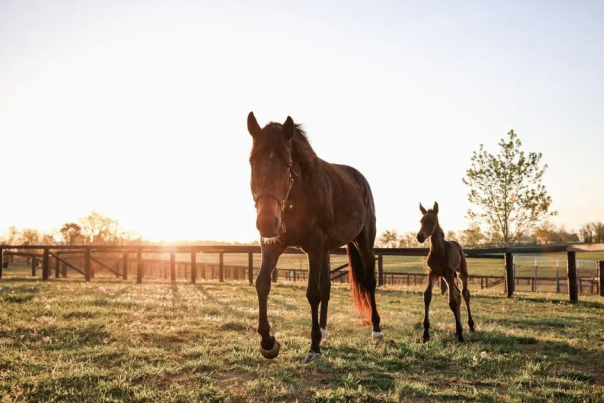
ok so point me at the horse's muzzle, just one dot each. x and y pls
(421, 238)
(268, 225)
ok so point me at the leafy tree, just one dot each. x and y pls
(452, 236)
(507, 190)
(472, 236)
(30, 236)
(408, 240)
(71, 233)
(546, 232)
(12, 236)
(389, 239)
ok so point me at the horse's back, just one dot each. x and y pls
(352, 201)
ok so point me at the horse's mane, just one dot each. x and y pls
(271, 140)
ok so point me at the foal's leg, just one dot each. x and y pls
(463, 277)
(325, 287)
(427, 298)
(269, 346)
(313, 292)
(454, 302)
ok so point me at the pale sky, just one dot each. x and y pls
(137, 109)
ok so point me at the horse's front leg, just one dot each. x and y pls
(427, 298)
(325, 287)
(269, 346)
(313, 292)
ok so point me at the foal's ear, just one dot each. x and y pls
(422, 209)
(435, 208)
(252, 125)
(288, 128)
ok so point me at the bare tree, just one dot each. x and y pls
(586, 233)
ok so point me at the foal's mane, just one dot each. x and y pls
(271, 140)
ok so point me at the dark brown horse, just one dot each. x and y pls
(304, 201)
(445, 259)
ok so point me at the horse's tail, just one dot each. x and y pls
(360, 293)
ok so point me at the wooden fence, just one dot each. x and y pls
(121, 260)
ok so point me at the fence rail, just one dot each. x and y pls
(122, 259)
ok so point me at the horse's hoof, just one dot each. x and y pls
(323, 334)
(312, 356)
(460, 339)
(377, 336)
(273, 352)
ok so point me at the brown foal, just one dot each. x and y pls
(445, 259)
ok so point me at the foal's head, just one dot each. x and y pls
(271, 163)
(429, 223)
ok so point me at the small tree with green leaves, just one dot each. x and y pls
(507, 190)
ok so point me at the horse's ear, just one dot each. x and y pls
(422, 209)
(252, 125)
(435, 208)
(288, 128)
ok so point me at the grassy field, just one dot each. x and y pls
(114, 341)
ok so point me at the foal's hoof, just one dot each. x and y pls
(273, 352)
(323, 334)
(312, 356)
(377, 336)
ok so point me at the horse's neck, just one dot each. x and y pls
(438, 242)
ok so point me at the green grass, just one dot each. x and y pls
(114, 341)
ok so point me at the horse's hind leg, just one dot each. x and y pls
(454, 303)
(325, 286)
(463, 277)
(365, 242)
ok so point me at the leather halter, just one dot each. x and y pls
(272, 194)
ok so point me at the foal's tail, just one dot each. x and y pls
(360, 293)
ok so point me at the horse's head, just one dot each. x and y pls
(271, 163)
(429, 222)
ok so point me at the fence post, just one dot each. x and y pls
(380, 269)
(172, 267)
(250, 267)
(63, 270)
(601, 264)
(125, 266)
(275, 274)
(2, 261)
(139, 266)
(87, 265)
(57, 266)
(46, 265)
(509, 270)
(221, 267)
(535, 277)
(557, 278)
(572, 276)
(193, 267)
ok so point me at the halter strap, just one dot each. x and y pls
(282, 202)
